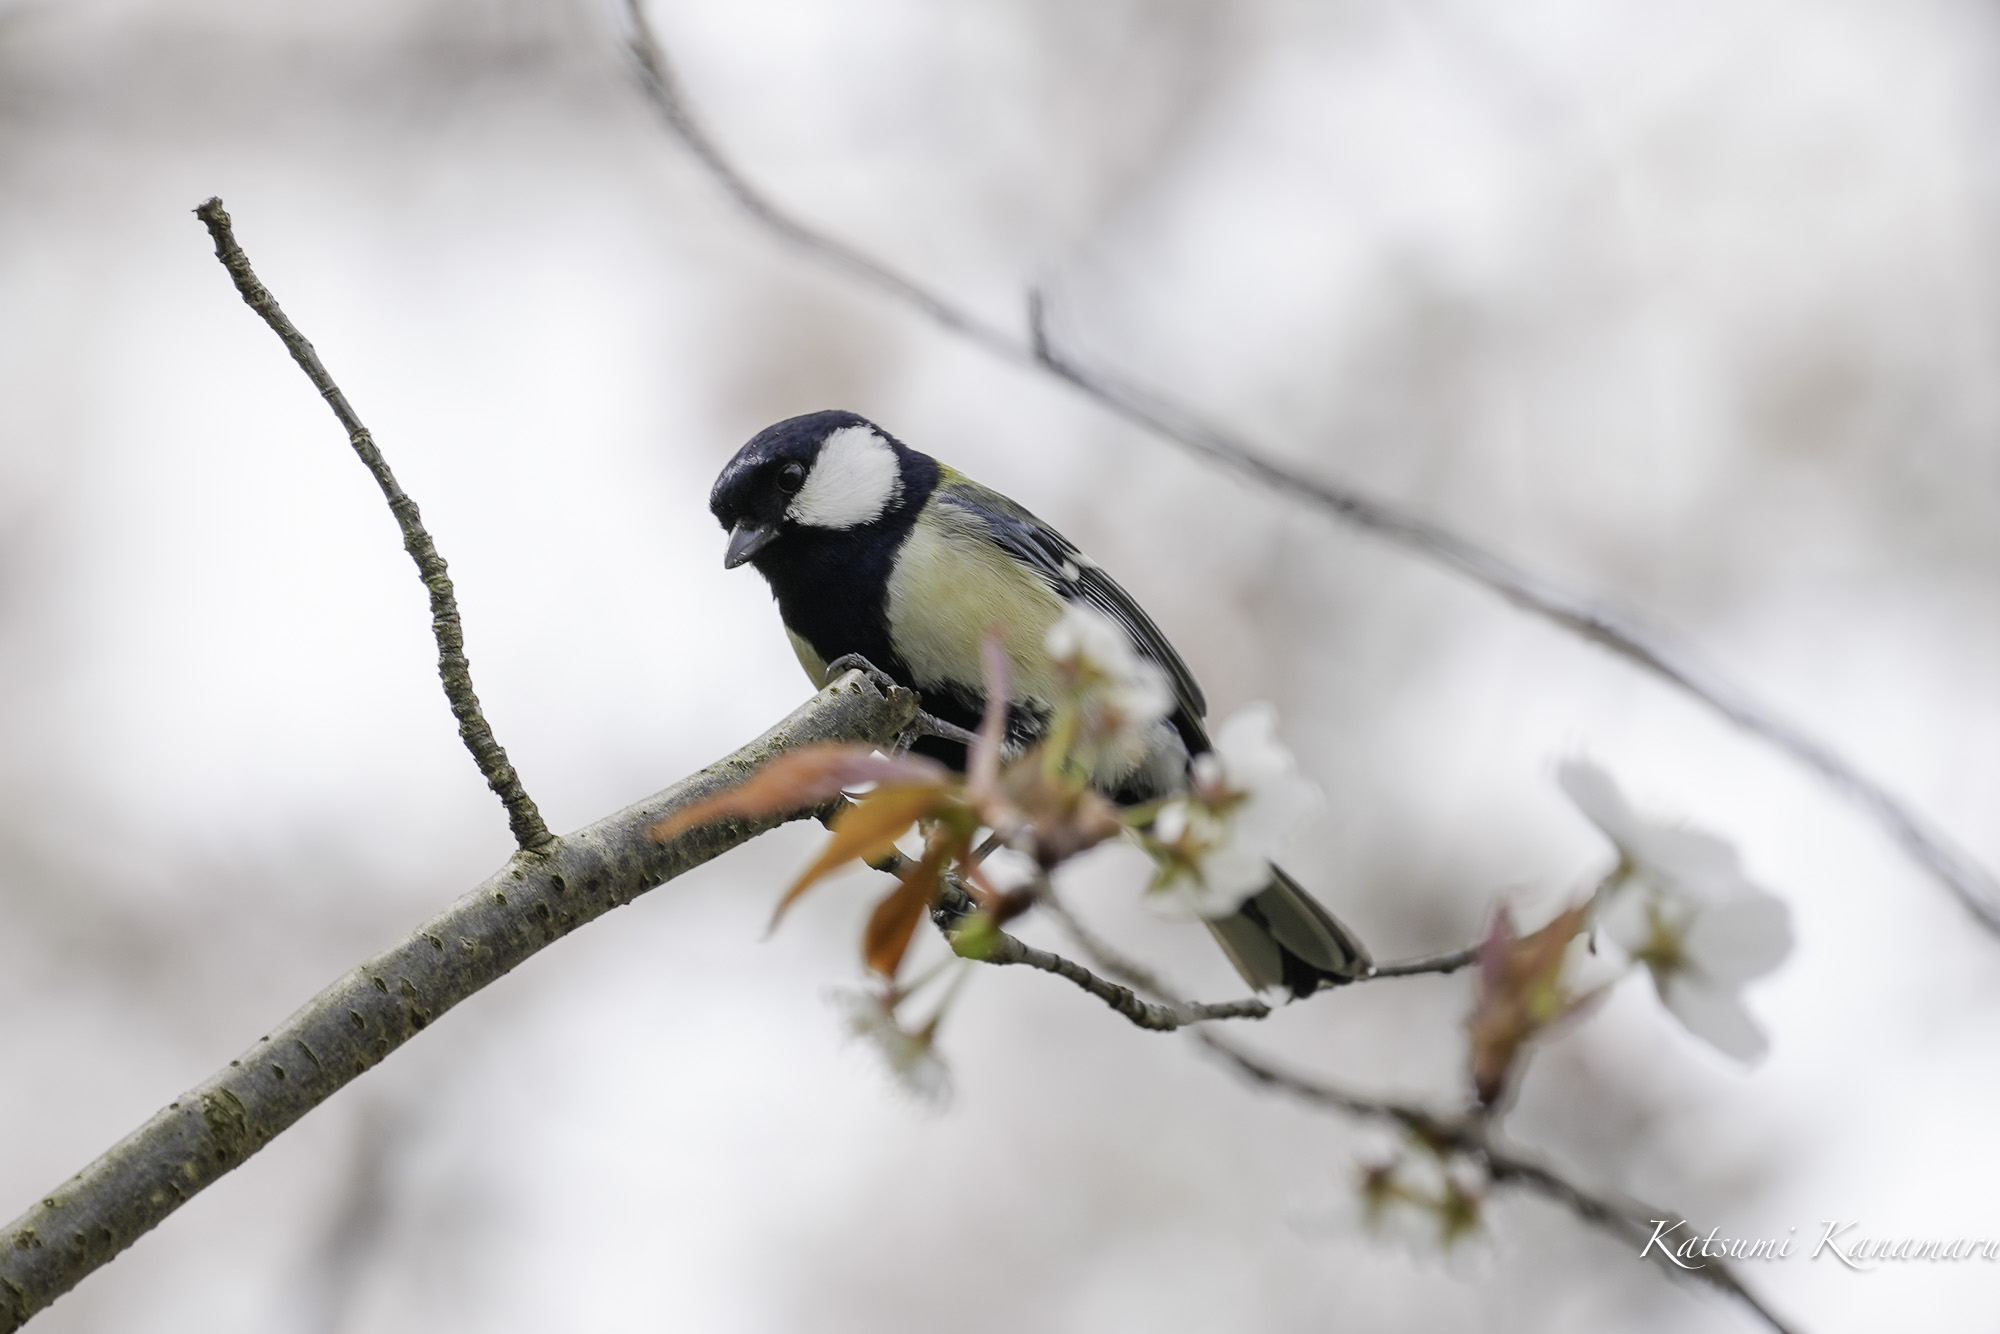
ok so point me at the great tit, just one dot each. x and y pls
(874, 549)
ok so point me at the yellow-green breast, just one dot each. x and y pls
(949, 584)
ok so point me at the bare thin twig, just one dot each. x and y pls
(1448, 962)
(348, 1028)
(1619, 1217)
(955, 909)
(453, 669)
(1621, 633)
(1470, 1134)
(1625, 1220)
(1157, 1018)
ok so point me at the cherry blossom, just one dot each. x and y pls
(1679, 904)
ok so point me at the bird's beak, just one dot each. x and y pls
(746, 539)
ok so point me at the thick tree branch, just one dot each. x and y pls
(348, 1028)
(1620, 633)
(453, 668)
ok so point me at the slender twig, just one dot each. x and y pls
(350, 1026)
(671, 101)
(955, 911)
(1626, 1220)
(1470, 1134)
(529, 831)
(1120, 965)
(1432, 1127)
(1448, 962)
(1006, 949)
(1621, 633)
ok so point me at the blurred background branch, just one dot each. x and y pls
(1623, 633)
(1472, 1134)
(1689, 307)
(1628, 1222)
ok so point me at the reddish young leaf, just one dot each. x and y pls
(800, 780)
(1520, 994)
(982, 767)
(1068, 821)
(865, 831)
(895, 918)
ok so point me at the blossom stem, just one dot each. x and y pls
(1448, 962)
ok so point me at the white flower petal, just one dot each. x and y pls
(1406, 1225)
(1272, 813)
(1248, 746)
(1084, 634)
(1741, 939)
(1715, 1015)
(1257, 765)
(1231, 874)
(1685, 860)
(925, 1077)
(1641, 920)
(1216, 843)
(1087, 638)
(1624, 918)
(1625, 921)
(1686, 910)
(917, 1067)
(1120, 698)
(1598, 797)
(1224, 882)
(1184, 900)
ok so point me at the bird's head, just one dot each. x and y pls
(827, 471)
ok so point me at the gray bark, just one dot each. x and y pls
(531, 902)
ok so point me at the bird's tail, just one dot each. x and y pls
(1283, 937)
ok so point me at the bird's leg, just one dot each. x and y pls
(929, 724)
(924, 724)
(986, 849)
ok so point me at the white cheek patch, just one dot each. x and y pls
(853, 481)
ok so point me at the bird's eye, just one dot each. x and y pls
(791, 477)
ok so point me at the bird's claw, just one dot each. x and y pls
(854, 662)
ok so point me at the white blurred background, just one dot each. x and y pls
(1694, 305)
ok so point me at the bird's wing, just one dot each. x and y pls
(1076, 578)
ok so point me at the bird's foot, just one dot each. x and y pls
(854, 662)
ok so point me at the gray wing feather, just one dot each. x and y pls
(1290, 941)
(1076, 578)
